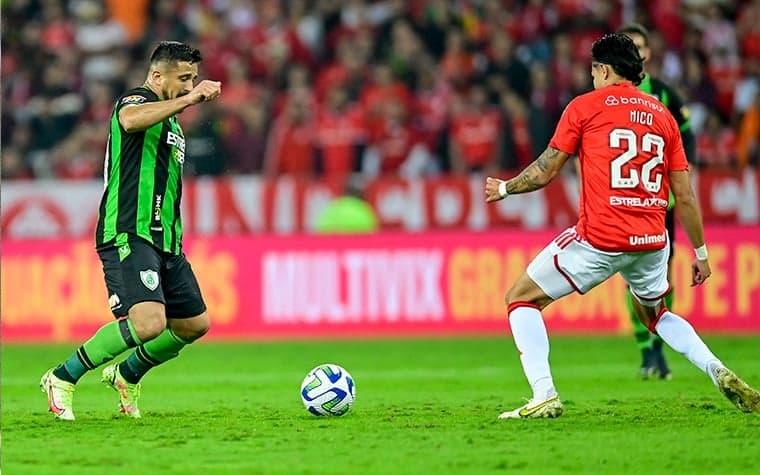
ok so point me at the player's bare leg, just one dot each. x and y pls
(525, 301)
(680, 336)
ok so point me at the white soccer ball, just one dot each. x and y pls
(328, 390)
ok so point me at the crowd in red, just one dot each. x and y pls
(329, 87)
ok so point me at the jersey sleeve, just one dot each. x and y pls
(133, 98)
(567, 135)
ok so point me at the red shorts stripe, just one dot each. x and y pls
(564, 274)
(561, 237)
(654, 322)
(654, 298)
(516, 305)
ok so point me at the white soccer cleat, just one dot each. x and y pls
(60, 395)
(737, 391)
(547, 408)
(128, 393)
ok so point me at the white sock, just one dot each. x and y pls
(680, 336)
(531, 340)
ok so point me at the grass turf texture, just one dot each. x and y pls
(423, 406)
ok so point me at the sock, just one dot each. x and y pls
(106, 344)
(680, 336)
(644, 338)
(669, 298)
(161, 349)
(532, 342)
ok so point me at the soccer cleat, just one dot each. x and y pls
(547, 408)
(128, 393)
(659, 361)
(60, 394)
(737, 391)
(648, 364)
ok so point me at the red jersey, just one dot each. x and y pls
(626, 142)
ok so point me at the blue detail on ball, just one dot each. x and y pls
(350, 382)
(314, 411)
(333, 377)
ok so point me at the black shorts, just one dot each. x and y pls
(138, 272)
(670, 225)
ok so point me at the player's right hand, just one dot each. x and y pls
(492, 190)
(205, 91)
(700, 271)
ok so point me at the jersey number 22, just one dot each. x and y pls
(650, 143)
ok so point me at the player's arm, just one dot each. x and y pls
(535, 176)
(688, 213)
(136, 117)
(681, 113)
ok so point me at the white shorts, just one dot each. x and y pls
(570, 263)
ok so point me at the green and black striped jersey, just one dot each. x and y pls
(143, 181)
(672, 101)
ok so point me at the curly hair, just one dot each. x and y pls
(618, 51)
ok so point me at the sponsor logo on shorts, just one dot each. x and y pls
(114, 302)
(645, 239)
(149, 279)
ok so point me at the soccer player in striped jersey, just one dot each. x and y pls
(152, 290)
(653, 361)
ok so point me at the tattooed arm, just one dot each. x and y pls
(535, 176)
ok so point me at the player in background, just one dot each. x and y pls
(152, 290)
(631, 154)
(652, 357)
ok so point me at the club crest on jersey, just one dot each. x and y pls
(133, 99)
(611, 101)
(149, 279)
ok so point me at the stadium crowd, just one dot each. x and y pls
(328, 87)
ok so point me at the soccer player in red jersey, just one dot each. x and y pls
(631, 155)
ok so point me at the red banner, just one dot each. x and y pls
(246, 204)
(386, 284)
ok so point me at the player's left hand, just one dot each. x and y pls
(492, 190)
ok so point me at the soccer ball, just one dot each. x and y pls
(328, 390)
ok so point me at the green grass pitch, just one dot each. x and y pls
(423, 407)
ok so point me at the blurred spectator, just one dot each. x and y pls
(382, 73)
(204, 138)
(716, 143)
(341, 134)
(505, 69)
(475, 133)
(14, 167)
(291, 147)
(396, 144)
(748, 141)
(245, 136)
(518, 143)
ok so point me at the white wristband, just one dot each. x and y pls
(701, 252)
(503, 189)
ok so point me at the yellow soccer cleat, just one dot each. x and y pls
(548, 408)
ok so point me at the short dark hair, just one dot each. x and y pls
(635, 29)
(618, 51)
(174, 51)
